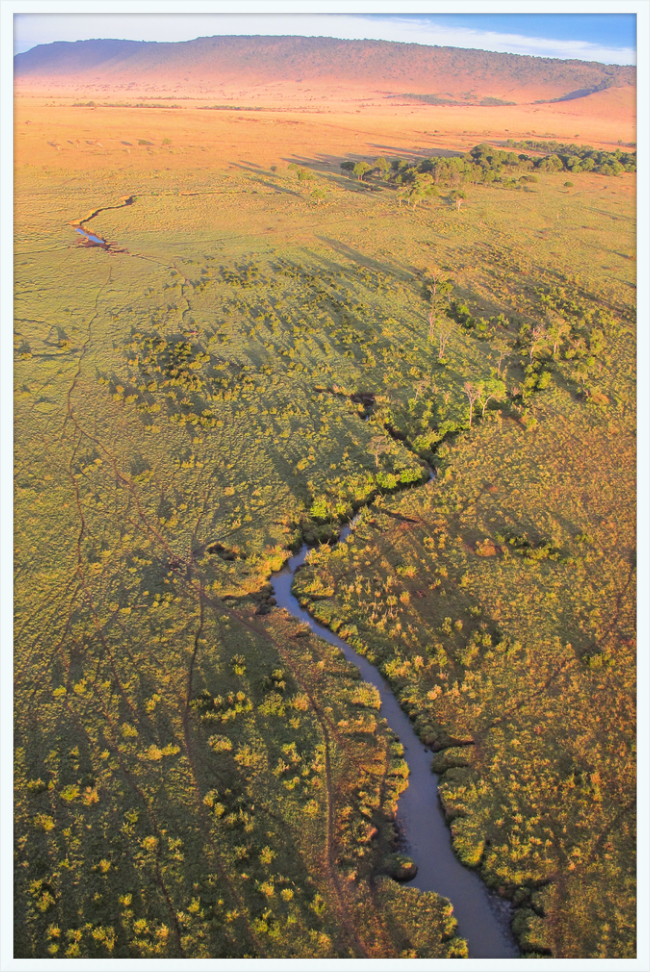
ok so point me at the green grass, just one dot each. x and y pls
(183, 418)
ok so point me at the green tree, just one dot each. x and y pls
(502, 345)
(558, 329)
(439, 289)
(421, 188)
(492, 390)
(382, 167)
(318, 196)
(361, 169)
(472, 390)
(538, 338)
(459, 196)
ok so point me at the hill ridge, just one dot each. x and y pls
(419, 68)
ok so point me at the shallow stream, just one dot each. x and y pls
(483, 919)
(91, 237)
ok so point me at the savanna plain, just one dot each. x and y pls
(437, 336)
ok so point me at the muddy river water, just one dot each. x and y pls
(483, 919)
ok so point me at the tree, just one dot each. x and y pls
(472, 391)
(361, 169)
(494, 389)
(421, 188)
(504, 349)
(403, 195)
(538, 339)
(558, 329)
(439, 287)
(458, 195)
(442, 330)
(420, 388)
(348, 167)
(382, 166)
(318, 196)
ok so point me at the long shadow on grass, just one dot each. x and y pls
(430, 152)
(329, 167)
(323, 163)
(355, 256)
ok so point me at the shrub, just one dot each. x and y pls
(220, 744)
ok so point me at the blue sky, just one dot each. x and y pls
(609, 38)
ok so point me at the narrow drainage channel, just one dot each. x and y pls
(90, 239)
(483, 919)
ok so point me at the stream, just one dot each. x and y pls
(93, 239)
(483, 918)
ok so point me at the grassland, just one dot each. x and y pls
(195, 774)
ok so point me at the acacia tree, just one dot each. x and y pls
(382, 166)
(538, 339)
(443, 330)
(422, 188)
(458, 196)
(472, 391)
(492, 390)
(504, 350)
(439, 288)
(558, 329)
(361, 169)
(420, 388)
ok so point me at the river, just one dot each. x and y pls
(482, 918)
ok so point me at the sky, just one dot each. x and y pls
(608, 38)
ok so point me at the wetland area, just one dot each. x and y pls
(324, 482)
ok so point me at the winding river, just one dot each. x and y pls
(483, 919)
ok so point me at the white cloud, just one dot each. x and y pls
(33, 29)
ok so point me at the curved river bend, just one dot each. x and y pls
(419, 817)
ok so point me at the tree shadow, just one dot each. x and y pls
(419, 153)
(282, 190)
(331, 177)
(355, 256)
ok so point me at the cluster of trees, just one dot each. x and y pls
(578, 158)
(485, 163)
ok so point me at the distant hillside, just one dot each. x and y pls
(384, 68)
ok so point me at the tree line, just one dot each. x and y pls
(485, 163)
